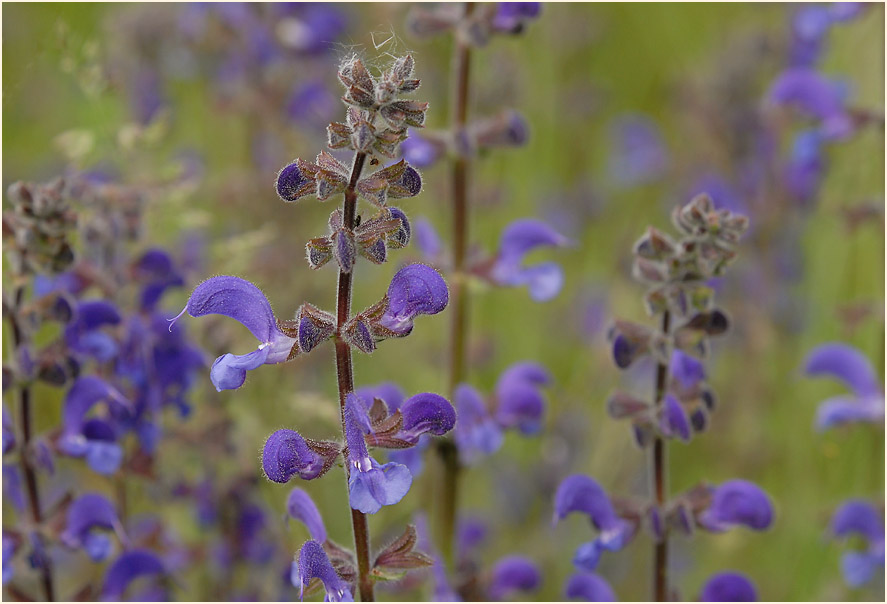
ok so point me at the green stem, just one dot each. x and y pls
(446, 448)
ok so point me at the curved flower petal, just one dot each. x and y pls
(728, 587)
(416, 289)
(292, 184)
(128, 567)
(476, 432)
(521, 404)
(580, 493)
(83, 395)
(589, 587)
(103, 457)
(228, 372)
(420, 151)
(236, 298)
(513, 573)
(372, 485)
(847, 364)
(300, 506)
(738, 502)
(858, 517)
(841, 410)
(524, 235)
(858, 568)
(85, 513)
(286, 453)
(82, 335)
(686, 369)
(674, 421)
(816, 96)
(314, 563)
(427, 412)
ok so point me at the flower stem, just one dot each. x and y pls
(25, 417)
(345, 378)
(446, 449)
(660, 485)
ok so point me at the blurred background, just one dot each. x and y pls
(631, 110)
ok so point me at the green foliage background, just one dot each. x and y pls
(577, 67)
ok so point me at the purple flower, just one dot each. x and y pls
(858, 517)
(389, 392)
(470, 533)
(9, 547)
(427, 239)
(686, 369)
(476, 432)
(286, 453)
(155, 269)
(728, 587)
(244, 302)
(589, 587)
(128, 567)
(738, 502)
(510, 16)
(850, 366)
(639, 154)
(94, 439)
(314, 563)
(370, 485)
(83, 334)
(419, 151)
(311, 102)
(803, 171)
(8, 433)
(817, 97)
(300, 506)
(310, 27)
(513, 573)
(543, 280)
(88, 513)
(521, 403)
(416, 289)
(579, 493)
(674, 421)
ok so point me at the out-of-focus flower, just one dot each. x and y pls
(543, 280)
(728, 587)
(89, 518)
(638, 152)
(851, 367)
(674, 421)
(511, 16)
(521, 404)
(819, 98)
(738, 502)
(95, 439)
(589, 587)
(128, 567)
(579, 493)
(241, 300)
(860, 518)
(84, 333)
(513, 573)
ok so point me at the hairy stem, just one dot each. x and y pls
(458, 292)
(25, 417)
(660, 486)
(345, 378)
